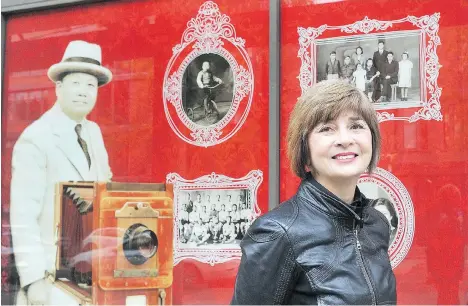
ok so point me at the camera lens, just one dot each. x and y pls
(140, 244)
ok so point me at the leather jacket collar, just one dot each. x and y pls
(319, 196)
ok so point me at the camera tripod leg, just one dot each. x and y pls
(162, 297)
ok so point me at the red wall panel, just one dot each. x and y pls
(424, 155)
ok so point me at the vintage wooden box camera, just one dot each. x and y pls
(115, 242)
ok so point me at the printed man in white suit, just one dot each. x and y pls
(62, 145)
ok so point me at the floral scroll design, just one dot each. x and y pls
(428, 25)
(251, 182)
(401, 200)
(209, 32)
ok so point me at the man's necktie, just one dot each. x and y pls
(83, 144)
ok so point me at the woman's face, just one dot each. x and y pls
(404, 56)
(359, 51)
(340, 149)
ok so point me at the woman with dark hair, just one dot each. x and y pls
(358, 57)
(371, 75)
(326, 245)
(385, 207)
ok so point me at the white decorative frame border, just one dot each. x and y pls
(212, 181)
(208, 33)
(428, 25)
(401, 200)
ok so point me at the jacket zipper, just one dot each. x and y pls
(363, 268)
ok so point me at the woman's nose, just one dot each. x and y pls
(344, 138)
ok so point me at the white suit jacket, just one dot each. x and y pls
(47, 152)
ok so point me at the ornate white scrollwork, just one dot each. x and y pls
(212, 182)
(210, 32)
(429, 108)
(403, 205)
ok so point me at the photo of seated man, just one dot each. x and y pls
(200, 233)
(229, 232)
(186, 232)
(184, 218)
(347, 69)
(371, 75)
(244, 227)
(215, 229)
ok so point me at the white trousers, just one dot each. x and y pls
(56, 297)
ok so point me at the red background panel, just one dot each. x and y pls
(137, 38)
(424, 155)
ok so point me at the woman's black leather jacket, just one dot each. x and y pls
(315, 249)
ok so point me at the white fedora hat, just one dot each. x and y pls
(81, 56)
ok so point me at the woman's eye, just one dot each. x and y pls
(357, 126)
(325, 129)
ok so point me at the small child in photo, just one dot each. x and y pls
(404, 75)
(359, 77)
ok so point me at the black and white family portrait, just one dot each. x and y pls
(213, 218)
(384, 66)
(207, 89)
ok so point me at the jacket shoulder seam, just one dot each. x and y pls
(277, 232)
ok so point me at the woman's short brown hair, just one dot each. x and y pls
(321, 103)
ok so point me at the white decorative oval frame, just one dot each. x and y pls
(209, 32)
(214, 181)
(403, 205)
(427, 26)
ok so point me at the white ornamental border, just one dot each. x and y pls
(212, 181)
(428, 25)
(401, 200)
(207, 33)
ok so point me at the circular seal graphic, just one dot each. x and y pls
(396, 205)
(208, 83)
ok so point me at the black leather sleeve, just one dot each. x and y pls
(267, 268)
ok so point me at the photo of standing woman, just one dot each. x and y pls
(404, 75)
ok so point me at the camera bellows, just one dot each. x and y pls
(83, 206)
